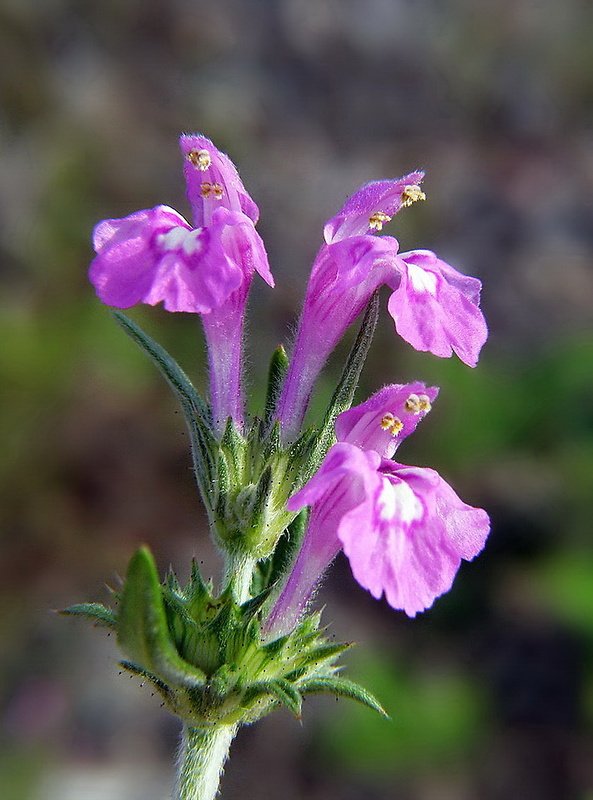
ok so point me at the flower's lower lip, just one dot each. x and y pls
(180, 238)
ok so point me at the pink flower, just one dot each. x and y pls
(156, 256)
(403, 529)
(212, 181)
(343, 278)
(435, 308)
(373, 205)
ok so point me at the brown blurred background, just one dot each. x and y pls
(491, 691)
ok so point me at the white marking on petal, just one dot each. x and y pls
(422, 281)
(172, 239)
(192, 242)
(181, 238)
(397, 500)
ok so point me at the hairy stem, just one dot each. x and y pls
(201, 760)
(239, 574)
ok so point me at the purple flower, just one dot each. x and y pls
(434, 307)
(383, 421)
(212, 181)
(403, 529)
(156, 256)
(344, 276)
(372, 206)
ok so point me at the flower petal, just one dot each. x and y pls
(383, 421)
(435, 308)
(343, 279)
(212, 181)
(371, 206)
(128, 256)
(155, 256)
(245, 246)
(417, 531)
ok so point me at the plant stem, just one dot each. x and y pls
(239, 574)
(201, 759)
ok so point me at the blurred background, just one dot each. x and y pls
(491, 691)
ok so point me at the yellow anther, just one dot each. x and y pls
(425, 404)
(418, 404)
(391, 424)
(387, 421)
(410, 194)
(200, 159)
(412, 404)
(377, 220)
(214, 190)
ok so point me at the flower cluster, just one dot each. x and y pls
(281, 500)
(156, 256)
(403, 528)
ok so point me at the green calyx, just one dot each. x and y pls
(207, 653)
(246, 480)
(208, 656)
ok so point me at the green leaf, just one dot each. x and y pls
(283, 691)
(261, 495)
(142, 673)
(172, 582)
(176, 377)
(287, 546)
(142, 630)
(234, 445)
(250, 607)
(276, 373)
(342, 687)
(97, 612)
(271, 442)
(196, 412)
(321, 656)
(197, 592)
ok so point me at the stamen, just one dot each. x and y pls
(386, 421)
(377, 220)
(425, 404)
(215, 190)
(391, 424)
(411, 194)
(418, 404)
(200, 159)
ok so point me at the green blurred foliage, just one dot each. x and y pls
(437, 717)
